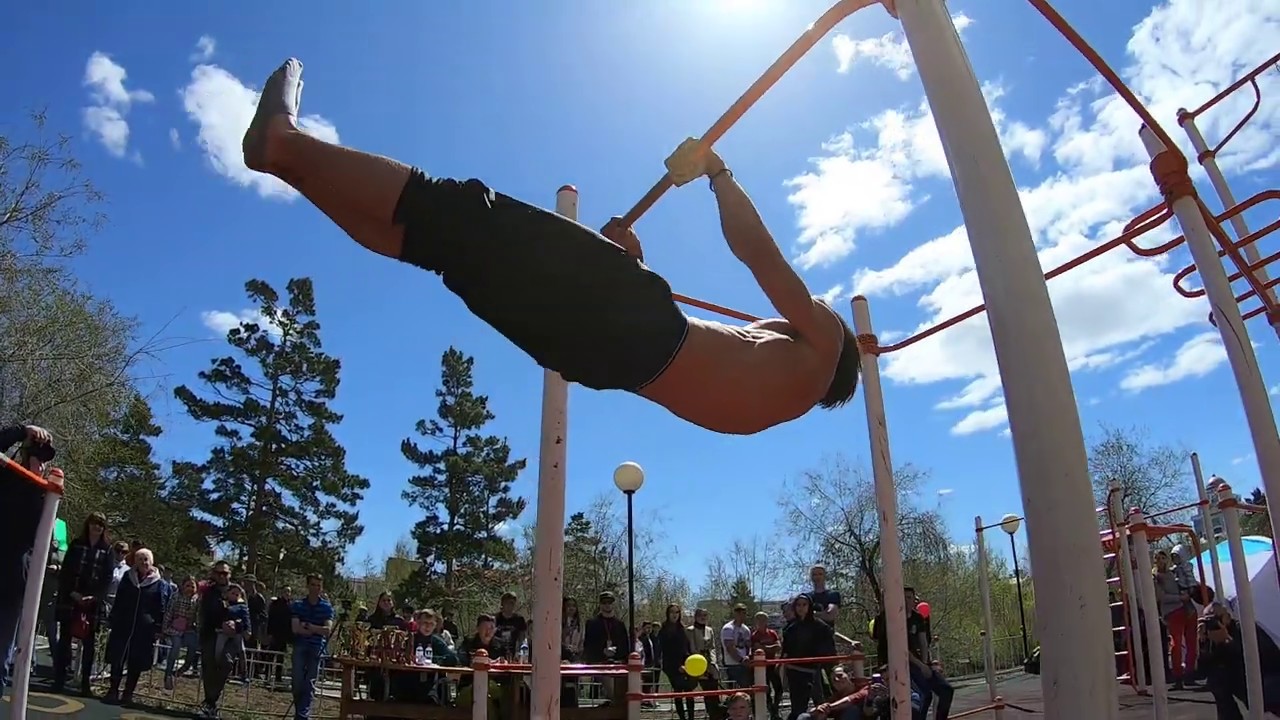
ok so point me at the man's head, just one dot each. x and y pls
(761, 621)
(315, 586)
(739, 614)
(121, 550)
(286, 592)
(221, 573)
(508, 603)
(486, 626)
(842, 681)
(606, 601)
(848, 366)
(818, 575)
(700, 616)
(427, 622)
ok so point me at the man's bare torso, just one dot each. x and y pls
(742, 380)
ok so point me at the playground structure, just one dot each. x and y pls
(1047, 437)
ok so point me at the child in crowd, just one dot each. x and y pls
(1185, 577)
(230, 643)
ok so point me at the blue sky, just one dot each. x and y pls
(841, 157)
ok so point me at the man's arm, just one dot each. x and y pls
(751, 242)
(729, 641)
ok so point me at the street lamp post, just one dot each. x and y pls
(629, 477)
(1010, 524)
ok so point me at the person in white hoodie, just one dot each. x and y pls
(136, 620)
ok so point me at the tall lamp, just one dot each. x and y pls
(629, 477)
(1010, 524)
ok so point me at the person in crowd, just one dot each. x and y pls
(279, 630)
(674, 649)
(735, 647)
(605, 639)
(1180, 620)
(447, 624)
(705, 641)
(1221, 663)
(806, 637)
(120, 566)
(214, 620)
(481, 639)
(255, 639)
(49, 594)
(766, 638)
(179, 625)
(738, 706)
(137, 617)
(848, 702)
(651, 651)
(926, 677)
(312, 623)
(383, 616)
(513, 629)
(427, 687)
(826, 601)
(230, 645)
(410, 618)
(82, 586)
(572, 628)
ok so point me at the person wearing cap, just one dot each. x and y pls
(1221, 663)
(605, 640)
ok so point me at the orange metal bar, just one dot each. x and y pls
(712, 307)
(1249, 78)
(771, 76)
(25, 474)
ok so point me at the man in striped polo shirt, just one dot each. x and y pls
(312, 623)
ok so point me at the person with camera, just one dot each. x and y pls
(1221, 663)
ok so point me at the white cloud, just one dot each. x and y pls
(888, 51)
(946, 491)
(105, 117)
(1242, 459)
(221, 107)
(1197, 357)
(222, 321)
(1109, 313)
(205, 47)
(174, 139)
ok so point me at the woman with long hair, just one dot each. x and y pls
(674, 646)
(806, 637)
(82, 587)
(571, 631)
(1179, 616)
(383, 617)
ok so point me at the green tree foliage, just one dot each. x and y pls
(740, 593)
(69, 360)
(140, 502)
(464, 491)
(1256, 523)
(276, 485)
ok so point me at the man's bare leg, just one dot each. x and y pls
(357, 190)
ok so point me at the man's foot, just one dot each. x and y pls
(277, 114)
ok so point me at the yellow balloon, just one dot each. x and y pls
(695, 665)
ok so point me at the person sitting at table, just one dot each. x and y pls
(481, 639)
(384, 617)
(426, 685)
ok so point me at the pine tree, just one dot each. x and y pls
(140, 502)
(464, 491)
(741, 593)
(276, 486)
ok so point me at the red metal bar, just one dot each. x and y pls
(712, 307)
(25, 474)
(1250, 77)
(771, 76)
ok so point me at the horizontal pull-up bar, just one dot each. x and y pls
(771, 76)
(712, 307)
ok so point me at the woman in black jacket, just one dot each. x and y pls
(674, 649)
(137, 617)
(806, 637)
(82, 588)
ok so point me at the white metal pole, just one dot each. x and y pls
(1227, 503)
(1235, 336)
(26, 639)
(1147, 587)
(1116, 508)
(1220, 186)
(988, 626)
(895, 608)
(1206, 519)
(548, 544)
(1077, 673)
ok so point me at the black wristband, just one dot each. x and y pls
(711, 179)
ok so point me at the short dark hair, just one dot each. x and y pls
(314, 576)
(844, 383)
(483, 618)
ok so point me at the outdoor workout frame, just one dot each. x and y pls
(1077, 677)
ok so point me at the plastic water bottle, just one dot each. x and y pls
(428, 655)
(419, 656)
(524, 652)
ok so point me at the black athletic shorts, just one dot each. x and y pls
(572, 300)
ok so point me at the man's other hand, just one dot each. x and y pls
(39, 435)
(691, 161)
(624, 237)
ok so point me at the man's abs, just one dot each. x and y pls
(737, 381)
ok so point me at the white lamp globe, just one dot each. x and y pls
(628, 477)
(1010, 523)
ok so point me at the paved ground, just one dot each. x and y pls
(1021, 691)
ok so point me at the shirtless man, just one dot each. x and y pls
(578, 303)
